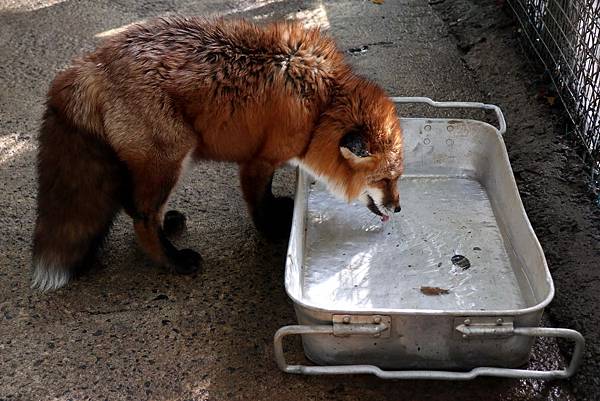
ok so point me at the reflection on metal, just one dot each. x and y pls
(351, 325)
(355, 282)
(434, 374)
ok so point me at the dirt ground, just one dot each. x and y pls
(543, 155)
(128, 330)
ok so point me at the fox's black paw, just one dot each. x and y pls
(187, 261)
(173, 223)
(274, 218)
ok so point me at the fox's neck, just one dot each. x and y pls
(335, 187)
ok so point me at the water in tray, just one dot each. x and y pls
(353, 260)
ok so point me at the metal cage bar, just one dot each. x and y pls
(565, 35)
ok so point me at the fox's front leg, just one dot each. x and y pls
(271, 215)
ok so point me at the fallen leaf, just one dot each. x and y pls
(434, 291)
(378, 1)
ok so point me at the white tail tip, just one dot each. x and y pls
(48, 277)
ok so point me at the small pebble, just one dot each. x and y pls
(460, 261)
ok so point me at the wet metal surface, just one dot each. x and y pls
(462, 261)
(353, 261)
(341, 260)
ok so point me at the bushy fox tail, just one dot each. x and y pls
(80, 185)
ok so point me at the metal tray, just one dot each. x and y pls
(356, 283)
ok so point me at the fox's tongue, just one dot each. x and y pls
(385, 218)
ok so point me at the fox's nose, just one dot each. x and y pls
(397, 209)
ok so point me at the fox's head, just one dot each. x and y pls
(357, 148)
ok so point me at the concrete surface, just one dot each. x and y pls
(128, 330)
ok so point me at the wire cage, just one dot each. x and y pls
(565, 35)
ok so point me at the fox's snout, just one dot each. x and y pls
(393, 204)
(394, 207)
(383, 198)
(391, 196)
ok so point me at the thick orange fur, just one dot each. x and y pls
(161, 93)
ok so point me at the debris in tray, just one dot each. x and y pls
(476, 248)
(460, 261)
(434, 291)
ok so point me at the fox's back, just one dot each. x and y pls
(227, 79)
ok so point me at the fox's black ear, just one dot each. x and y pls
(353, 144)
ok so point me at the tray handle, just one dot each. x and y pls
(468, 105)
(573, 335)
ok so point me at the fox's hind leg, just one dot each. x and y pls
(152, 182)
(174, 223)
(271, 215)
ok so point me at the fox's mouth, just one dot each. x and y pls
(373, 208)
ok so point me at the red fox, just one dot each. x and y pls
(123, 121)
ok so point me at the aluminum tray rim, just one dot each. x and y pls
(298, 226)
